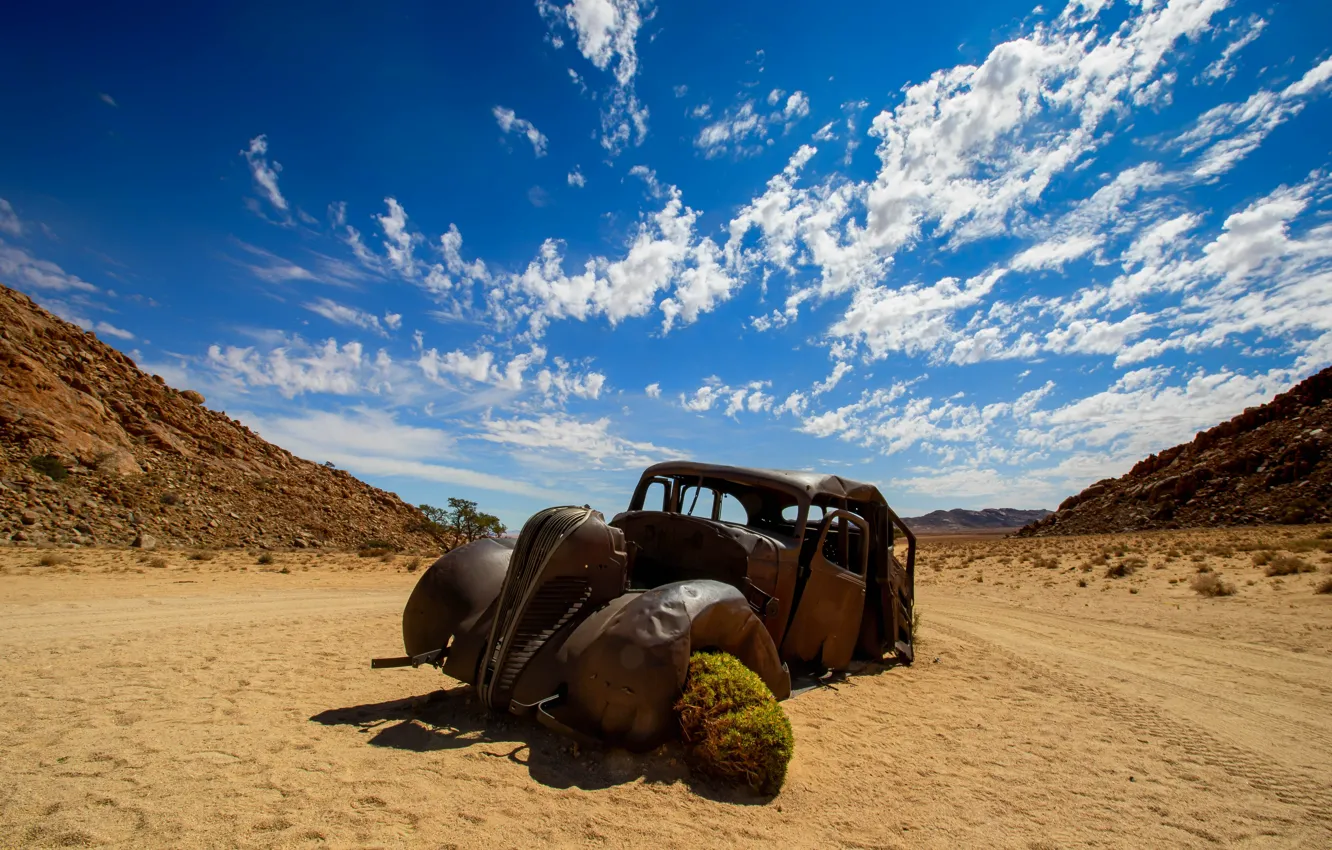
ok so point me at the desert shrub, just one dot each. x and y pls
(387, 557)
(158, 563)
(1325, 535)
(1172, 555)
(412, 564)
(169, 498)
(1047, 563)
(1288, 565)
(1211, 584)
(1263, 557)
(735, 730)
(1082, 582)
(1126, 567)
(50, 466)
(265, 559)
(1325, 586)
(1307, 544)
(202, 555)
(372, 552)
(51, 559)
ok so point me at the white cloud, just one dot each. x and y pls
(653, 390)
(743, 129)
(1232, 131)
(352, 237)
(107, 99)
(373, 442)
(398, 241)
(839, 371)
(17, 266)
(344, 315)
(556, 384)
(9, 220)
(265, 173)
(108, 329)
(680, 90)
(1055, 253)
(295, 368)
(1223, 67)
(606, 31)
(273, 269)
(392, 321)
(663, 251)
(911, 319)
(576, 178)
(510, 122)
(590, 441)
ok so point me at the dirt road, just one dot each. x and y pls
(209, 707)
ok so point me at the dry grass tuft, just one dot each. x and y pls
(157, 563)
(265, 559)
(202, 555)
(51, 559)
(1325, 586)
(413, 564)
(1288, 565)
(1211, 584)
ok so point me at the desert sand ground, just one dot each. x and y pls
(220, 703)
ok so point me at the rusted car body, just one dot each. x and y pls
(589, 625)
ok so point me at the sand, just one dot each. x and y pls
(214, 704)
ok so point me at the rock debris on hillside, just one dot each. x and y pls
(1270, 464)
(95, 451)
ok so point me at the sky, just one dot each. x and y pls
(982, 254)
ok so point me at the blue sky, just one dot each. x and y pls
(982, 254)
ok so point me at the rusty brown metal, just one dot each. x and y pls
(588, 626)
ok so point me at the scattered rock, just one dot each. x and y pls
(145, 541)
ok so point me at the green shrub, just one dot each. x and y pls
(735, 730)
(50, 466)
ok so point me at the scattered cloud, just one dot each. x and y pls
(511, 123)
(265, 174)
(744, 130)
(576, 178)
(590, 441)
(606, 31)
(19, 267)
(107, 99)
(9, 220)
(297, 367)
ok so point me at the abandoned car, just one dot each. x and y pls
(589, 626)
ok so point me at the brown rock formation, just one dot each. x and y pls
(93, 450)
(1270, 464)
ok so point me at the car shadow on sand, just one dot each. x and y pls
(453, 719)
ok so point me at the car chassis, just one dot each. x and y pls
(589, 626)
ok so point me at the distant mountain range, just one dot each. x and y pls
(959, 521)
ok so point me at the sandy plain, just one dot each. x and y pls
(221, 703)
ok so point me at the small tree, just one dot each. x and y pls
(463, 520)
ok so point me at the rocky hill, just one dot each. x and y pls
(1270, 464)
(960, 521)
(93, 450)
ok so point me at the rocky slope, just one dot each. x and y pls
(959, 521)
(1270, 464)
(93, 450)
